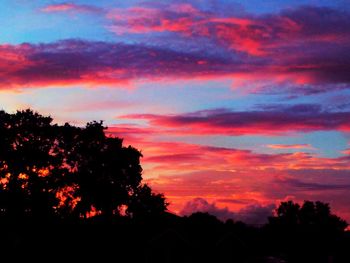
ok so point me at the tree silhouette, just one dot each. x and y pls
(311, 215)
(106, 174)
(56, 171)
(305, 233)
(25, 161)
(144, 203)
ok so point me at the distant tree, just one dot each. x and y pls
(288, 213)
(204, 218)
(144, 203)
(311, 215)
(304, 233)
(49, 170)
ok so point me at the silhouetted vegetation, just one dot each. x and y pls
(307, 232)
(73, 193)
(55, 172)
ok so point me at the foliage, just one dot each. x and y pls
(52, 171)
(311, 215)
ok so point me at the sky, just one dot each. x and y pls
(235, 105)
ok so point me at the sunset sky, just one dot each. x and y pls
(235, 105)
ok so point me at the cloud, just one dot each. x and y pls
(220, 164)
(274, 121)
(290, 146)
(251, 214)
(202, 205)
(73, 62)
(160, 18)
(236, 201)
(302, 50)
(256, 214)
(255, 35)
(71, 7)
(236, 178)
(312, 186)
(346, 151)
(307, 45)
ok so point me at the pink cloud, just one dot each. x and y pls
(255, 35)
(251, 214)
(347, 152)
(78, 62)
(292, 46)
(237, 178)
(71, 7)
(278, 121)
(147, 19)
(300, 51)
(290, 146)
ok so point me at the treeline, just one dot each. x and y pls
(75, 193)
(296, 234)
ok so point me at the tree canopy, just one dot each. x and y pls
(63, 171)
(310, 215)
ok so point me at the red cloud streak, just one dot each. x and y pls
(297, 118)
